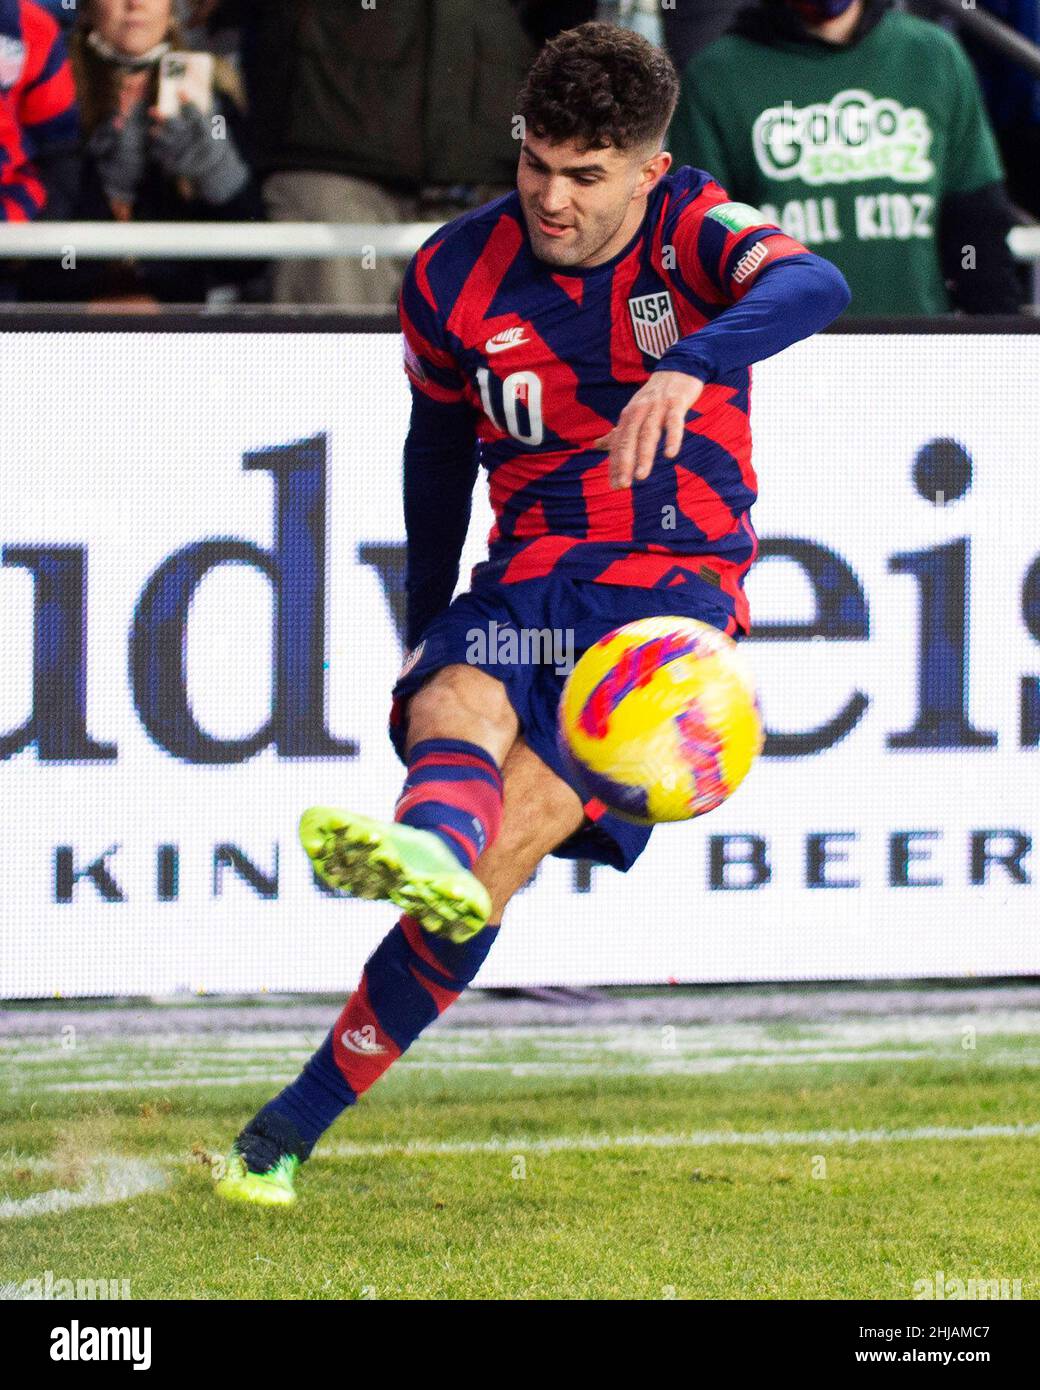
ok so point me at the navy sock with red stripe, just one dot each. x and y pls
(453, 788)
(408, 981)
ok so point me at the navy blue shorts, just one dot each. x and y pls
(463, 634)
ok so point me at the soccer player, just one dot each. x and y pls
(39, 122)
(588, 340)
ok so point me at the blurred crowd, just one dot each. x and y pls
(391, 111)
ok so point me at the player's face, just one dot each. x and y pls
(583, 206)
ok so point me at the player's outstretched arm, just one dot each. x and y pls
(790, 300)
(440, 468)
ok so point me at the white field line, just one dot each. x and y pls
(243, 1058)
(116, 1179)
(111, 1178)
(564, 1070)
(168, 1083)
(594, 1143)
(703, 1139)
(699, 1038)
(161, 1062)
(189, 1058)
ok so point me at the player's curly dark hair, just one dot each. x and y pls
(600, 85)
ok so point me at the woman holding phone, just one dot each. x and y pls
(162, 130)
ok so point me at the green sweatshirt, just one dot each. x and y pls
(851, 150)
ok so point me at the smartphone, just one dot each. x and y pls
(187, 75)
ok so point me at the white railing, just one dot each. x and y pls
(212, 241)
(1025, 243)
(259, 240)
(246, 241)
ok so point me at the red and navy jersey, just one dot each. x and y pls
(548, 358)
(37, 104)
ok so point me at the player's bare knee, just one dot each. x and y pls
(463, 702)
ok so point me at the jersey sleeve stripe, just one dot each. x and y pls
(49, 109)
(489, 270)
(448, 395)
(430, 369)
(22, 201)
(422, 279)
(432, 355)
(672, 274)
(45, 46)
(622, 367)
(697, 245)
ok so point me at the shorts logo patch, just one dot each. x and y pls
(654, 323)
(411, 660)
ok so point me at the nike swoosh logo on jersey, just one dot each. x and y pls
(509, 337)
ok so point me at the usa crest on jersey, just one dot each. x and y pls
(654, 323)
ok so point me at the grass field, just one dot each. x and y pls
(840, 1158)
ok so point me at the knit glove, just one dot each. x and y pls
(120, 154)
(186, 147)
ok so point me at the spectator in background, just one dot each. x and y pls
(144, 167)
(389, 113)
(902, 189)
(39, 125)
(690, 25)
(1013, 99)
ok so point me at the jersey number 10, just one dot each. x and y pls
(519, 391)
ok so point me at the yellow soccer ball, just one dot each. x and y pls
(659, 720)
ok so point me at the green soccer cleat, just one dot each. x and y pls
(413, 869)
(271, 1189)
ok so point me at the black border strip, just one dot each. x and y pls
(266, 321)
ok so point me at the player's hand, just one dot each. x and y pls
(661, 406)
